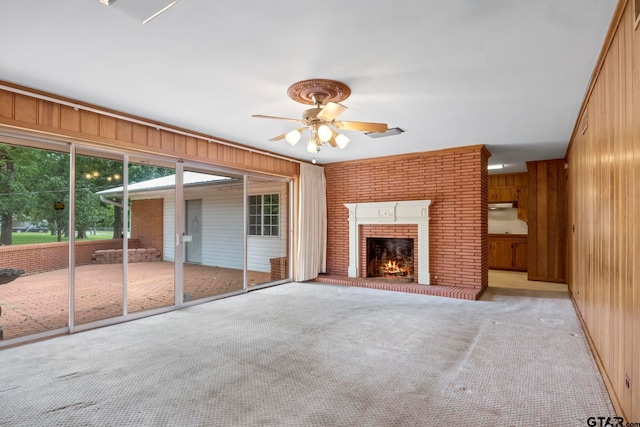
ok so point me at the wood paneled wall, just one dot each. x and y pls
(547, 213)
(604, 213)
(24, 112)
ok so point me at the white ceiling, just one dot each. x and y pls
(510, 74)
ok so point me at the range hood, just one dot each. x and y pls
(503, 205)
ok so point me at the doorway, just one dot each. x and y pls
(193, 229)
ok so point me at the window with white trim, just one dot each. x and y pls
(264, 215)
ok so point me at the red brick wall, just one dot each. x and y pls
(147, 222)
(42, 257)
(455, 180)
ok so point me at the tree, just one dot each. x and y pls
(15, 189)
(32, 181)
(48, 187)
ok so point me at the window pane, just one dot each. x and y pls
(267, 258)
(34, 213)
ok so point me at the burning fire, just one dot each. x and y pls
(392, 267)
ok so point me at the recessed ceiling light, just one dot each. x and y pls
(494, 167)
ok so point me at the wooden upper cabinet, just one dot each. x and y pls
(523, 204)
(510, 187)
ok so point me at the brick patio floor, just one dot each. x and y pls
(40, 302)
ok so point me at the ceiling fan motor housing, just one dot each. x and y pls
(318, 91)
(310, 116)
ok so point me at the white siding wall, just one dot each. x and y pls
(221, 227)
(222, 216)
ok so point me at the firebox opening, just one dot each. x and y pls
(390, 258)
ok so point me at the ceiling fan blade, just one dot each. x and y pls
(260, 116)
(362, 126)
(332, 142)
(279, 137)
(331, 111)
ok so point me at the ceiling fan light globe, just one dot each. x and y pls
(293, 137)
(312, 147)
(324, 133)
(342, 141)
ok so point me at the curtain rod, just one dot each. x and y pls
(77, 107)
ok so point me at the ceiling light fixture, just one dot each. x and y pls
(342, 141)
(320, 120)
(494, 167)
(294, 136)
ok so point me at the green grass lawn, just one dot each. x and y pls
(30, 238)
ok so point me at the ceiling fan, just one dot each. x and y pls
(321, 121)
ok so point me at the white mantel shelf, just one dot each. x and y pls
(407, 212)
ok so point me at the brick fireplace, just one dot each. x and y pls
(396, 219)
(389, 258)
(454, 179)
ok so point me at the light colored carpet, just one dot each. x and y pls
(317, 355)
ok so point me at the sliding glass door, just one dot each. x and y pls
(151, 243)
(98, 237)
(92, 237)
(34, 243)
(267, 231)
(213, 243)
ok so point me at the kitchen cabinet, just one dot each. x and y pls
(523, 204)
(510, 187)
(502, 194)
(508, 252)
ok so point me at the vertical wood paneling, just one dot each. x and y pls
(25, 109)
(179, 144)
(90, 123)
(166, 140)
(48, 113)
(153, 138)
(107, 127)
(191, 146)
(124, 131)
(604, 191)
(69, 119)
(139, 135)
(6, 104)
(547, 254)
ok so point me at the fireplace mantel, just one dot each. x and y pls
(408, 212)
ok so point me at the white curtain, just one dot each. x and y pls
(312, 224)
